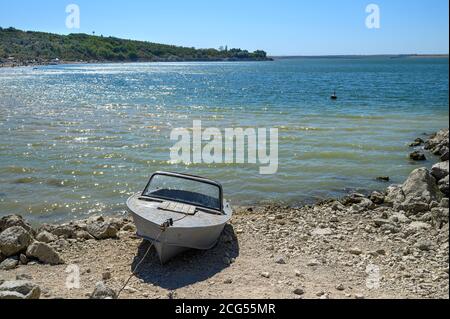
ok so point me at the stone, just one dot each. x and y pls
(340, 287)
(299, 291)
(9, 264)
(383, 178)
(46, 237)
(102, 230)
(416, 226)
(359, 296)
(23, 259)
(102, 291)
(44, 253)
(228, 281)
(129, 227)
(265, 274)
(66, 231)
(417, 142)
(440, 170)
(377, 198)
(20, 289)
(445, 154)
(15, 220)
(82, 234)
(322, 231)
(417, 156)
(418, 191)
(444, 186)
(280, 261)
(313, 263)
(14, 240)
(355, 251)
(424, 245)
(106, 275)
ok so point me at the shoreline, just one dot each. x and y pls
(390, 244)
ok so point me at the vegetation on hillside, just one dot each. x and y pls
(29, 46)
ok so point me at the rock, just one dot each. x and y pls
(14, 240)
(23, 259)
(44, 253)
(129, 227)
(15, 220)
(359, 296)
(417, 156)
(280, 261)
(19, 289)
(106, 275)
(355, 251)
(444, 186)
(322, 231)
(438, 141)
(354, 198)
(228, 281)
(444, 203)
(424, 245)
(313, 263)
(383, 178)
(377, 198)
(440, 170)
(102, 230)
(82, 234)
(265, 274)
(66, 231)
(418, 191)
(299, 291)
(46, 237)
(445, 154)
(417, 142)
(340, 287)
(102, 291)
(415, 227)
(9, 263)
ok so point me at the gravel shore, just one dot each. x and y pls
(391, 244)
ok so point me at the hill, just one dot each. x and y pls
(29, 47)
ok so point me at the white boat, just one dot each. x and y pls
(177, 212)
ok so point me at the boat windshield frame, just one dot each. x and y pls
(187, 177)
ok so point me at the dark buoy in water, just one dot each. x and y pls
(334, 96)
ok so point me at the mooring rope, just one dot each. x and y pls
(133, 272)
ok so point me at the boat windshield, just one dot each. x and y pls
(185, 190)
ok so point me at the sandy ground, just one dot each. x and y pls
(258, 256)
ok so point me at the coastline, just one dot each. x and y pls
(390, 244)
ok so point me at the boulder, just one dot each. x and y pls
(102, 230)
(377, 198)
(19, 289)
(416, 194)
(44, 253)
(438, 142)
(417, 156)
(102, 291)
(66, 231)
(417, 142)
(46, 237)
(445, 154)
(440, 170)
(444, 186)
(15, 220)
(9, 263)
(14, 240)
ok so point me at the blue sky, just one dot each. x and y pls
(282, 27)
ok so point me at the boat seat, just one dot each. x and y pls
(177, 208)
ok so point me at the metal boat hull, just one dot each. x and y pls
(200, 231)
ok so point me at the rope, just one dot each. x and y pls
(133, 272)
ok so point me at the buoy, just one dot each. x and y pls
(334, 96)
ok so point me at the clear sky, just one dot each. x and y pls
(281, 27)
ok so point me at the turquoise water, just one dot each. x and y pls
(79, 139)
